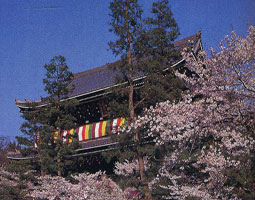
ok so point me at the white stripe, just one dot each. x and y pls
(64, 136)
(97, 130)
(114, 125)
(80, 133)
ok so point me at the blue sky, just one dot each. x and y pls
(34, 31)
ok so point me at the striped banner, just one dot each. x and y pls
(93, 131)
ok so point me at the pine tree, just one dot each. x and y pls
(44, 124)
(155, 53)
(148, 51)
(59, 113)
(126, 16)
(145, 47)
(30, 128)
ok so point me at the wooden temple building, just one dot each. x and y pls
(91, 89)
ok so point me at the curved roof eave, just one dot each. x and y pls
(87, 93)
(94, 75)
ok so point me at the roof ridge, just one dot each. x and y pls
(87, 72)
(183, 40)
(101, 68)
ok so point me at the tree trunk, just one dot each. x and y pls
(41, 164)
(39, 154)
(132, 110)
(42, 172)
(142, 169)
(58, 148)
(58, 163)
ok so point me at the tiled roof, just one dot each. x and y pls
(90, 81)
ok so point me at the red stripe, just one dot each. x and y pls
(61, 135)
(100, 129)
(118, 124)
(118, 121)
(83, 132)
(93, 130)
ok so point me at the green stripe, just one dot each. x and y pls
(107, 127)
(90, 131)
(125, 122)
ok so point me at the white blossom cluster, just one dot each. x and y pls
(85, 186)
(88, 186)
(214, 123)
(211, 131)
(128, 168)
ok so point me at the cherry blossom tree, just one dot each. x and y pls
(86, 186)
(83, 186)
(210, 135)
(211, 131)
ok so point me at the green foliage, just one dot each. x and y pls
(157, 55)
(5, 146)
(30, 128)
(145, 47)
(54, 116)
(124, 23)
(12, 192)
(57, 77)
(58, 115)
(163, 28)
(242, 179)
(14, 178)
(12, 187)
(152, 54)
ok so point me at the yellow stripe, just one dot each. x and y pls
(86, 132)
(55, 136)
(71, 135)
(122, 121)
(104, 128)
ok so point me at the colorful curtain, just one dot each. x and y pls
(92, 131)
